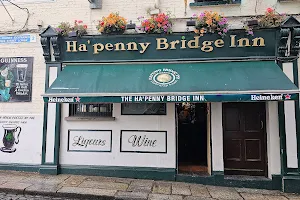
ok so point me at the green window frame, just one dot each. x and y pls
(143, 109)
(91, 110)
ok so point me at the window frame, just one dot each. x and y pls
(163, 114)
(73, 108)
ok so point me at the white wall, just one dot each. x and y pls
(122, 122)
(217, 137)
(273, 140)
(41, 11)
(29, 149)
(290, 123)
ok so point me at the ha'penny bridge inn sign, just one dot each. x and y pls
(181, 67)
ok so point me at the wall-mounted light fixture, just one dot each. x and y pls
(130, 25)
(94, 4)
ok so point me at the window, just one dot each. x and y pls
(143, 109)
(214, 2)
(93, 110)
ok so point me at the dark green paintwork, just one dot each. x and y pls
(152, 54)
(125, 172)
(291, 184)
(19, 167)
(102, 80)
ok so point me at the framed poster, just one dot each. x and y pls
(16, 79)
(90, 140)
(140, 141)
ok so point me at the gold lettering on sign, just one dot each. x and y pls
(162, 41)
(194, 44)
(173, 44)
(98, 47)
(232, 41)
(259, 40)
(144, 46)
(183, 46)
(219, 43)
(244, 42)
(72, 45)
(82, 47)
(132, 46)
(109, 46)
(206, 46)
(120, 46)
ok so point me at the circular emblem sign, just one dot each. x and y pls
(164, 77)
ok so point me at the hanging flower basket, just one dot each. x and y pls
(65, 29)
(211, 22)
(113, 24)
(160, 23)
(270, 19)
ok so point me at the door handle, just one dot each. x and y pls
(261, 124)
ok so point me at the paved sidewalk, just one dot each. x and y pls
(95, 187)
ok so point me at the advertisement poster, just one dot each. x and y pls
(21, 138)
(16, 79)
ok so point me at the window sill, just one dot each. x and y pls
(213, 3)
(90, 118)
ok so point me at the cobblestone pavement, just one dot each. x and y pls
(96, 187)
(10, 196)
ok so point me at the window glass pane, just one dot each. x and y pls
(101, 110)
(143, 109)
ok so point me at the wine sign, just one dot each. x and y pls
(144, 141)
(90, 140)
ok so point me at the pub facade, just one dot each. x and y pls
(180, 107)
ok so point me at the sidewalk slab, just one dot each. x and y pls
(14, 186)
(103, 185)
(131, 195)
(87, 192)
(164, 197)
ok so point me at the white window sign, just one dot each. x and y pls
(144, 141)
(90, 140)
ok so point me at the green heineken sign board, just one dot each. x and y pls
(185, 46)
(175, 98)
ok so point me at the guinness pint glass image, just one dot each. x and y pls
(10, 137)
(21, 72)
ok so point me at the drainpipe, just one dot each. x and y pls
(156, 3)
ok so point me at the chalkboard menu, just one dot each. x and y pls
(16, 79)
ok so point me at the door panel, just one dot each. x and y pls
(244, 138)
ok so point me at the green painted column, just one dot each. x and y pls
(51, 126)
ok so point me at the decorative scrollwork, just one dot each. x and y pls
(56, 47)
(46, 48)
(295, 42)
(283, 42)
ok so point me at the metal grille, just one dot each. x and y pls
(94, 110)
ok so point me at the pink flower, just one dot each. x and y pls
(79, 21)
(269, 10)
(225, 30)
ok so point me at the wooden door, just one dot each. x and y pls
(244, 139)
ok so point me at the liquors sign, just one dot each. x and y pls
(90, 140)
(16, 79)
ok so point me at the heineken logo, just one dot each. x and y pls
(164, 77)
(270, 97)
(63, 99)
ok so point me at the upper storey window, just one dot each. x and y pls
(214, 2)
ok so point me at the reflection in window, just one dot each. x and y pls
(144, 109)
(95, 110)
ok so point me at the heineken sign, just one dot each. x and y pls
(175, 98)
(177, 46)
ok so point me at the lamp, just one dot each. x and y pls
(91, 1)
(191, 22)
(130, 25)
